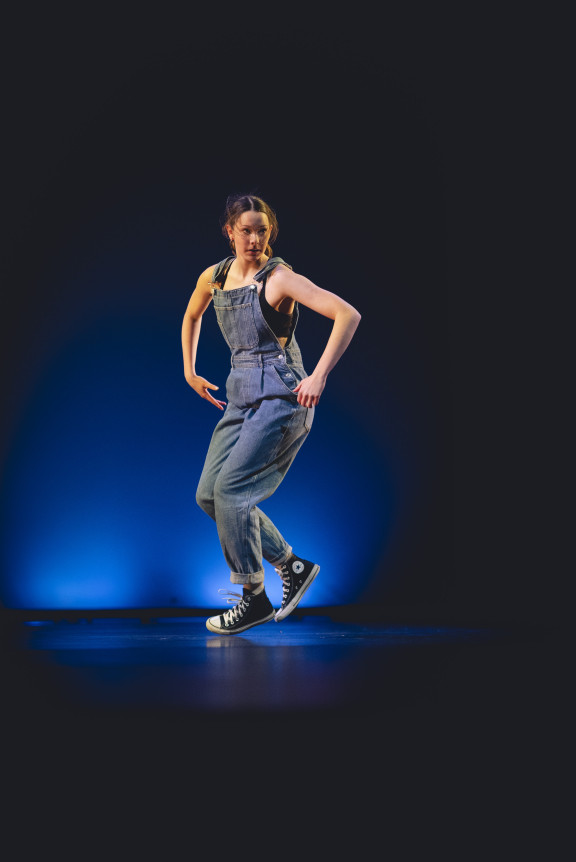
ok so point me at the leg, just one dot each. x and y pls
(224, 437)
(268, 442)
(226, 434)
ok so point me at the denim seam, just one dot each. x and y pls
(250, 505)
(249, 509)
(286, 430)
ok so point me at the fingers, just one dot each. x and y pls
(201, 387)
(305, 399)
(215, 401)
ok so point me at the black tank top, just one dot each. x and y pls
(279, 322)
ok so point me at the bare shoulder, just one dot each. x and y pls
(204, 283)
(283, 277)
(287, 283)
(201, 295)
(206, 277)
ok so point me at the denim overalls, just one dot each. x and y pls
(259, 434)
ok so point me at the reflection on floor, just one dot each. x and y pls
(365, 718)
(303, 665)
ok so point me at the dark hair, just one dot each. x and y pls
(238, 204)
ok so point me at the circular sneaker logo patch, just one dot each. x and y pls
(297, 567)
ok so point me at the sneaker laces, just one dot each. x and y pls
(236, 599)
(284, 572)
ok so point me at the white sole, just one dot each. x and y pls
(219, 631)
(282, 614)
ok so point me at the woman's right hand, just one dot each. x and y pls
(201, 386)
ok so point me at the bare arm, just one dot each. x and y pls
(199, 302)
(285, 283)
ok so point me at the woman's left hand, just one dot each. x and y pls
(309, 390)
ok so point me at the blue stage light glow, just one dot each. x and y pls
(100, 486)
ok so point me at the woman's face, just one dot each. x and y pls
(250, 234)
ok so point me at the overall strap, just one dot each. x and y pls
(221, 269)
(268, 266)
(262, 274)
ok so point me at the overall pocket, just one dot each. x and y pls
(238, 325)
(287, 378)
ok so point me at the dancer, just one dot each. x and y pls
(271, 403)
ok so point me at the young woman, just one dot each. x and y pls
(271, 403)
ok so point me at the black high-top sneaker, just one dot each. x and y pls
(297, 575)
(253, 608)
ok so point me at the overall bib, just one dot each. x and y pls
(259, 434)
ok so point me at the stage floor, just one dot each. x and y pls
(356, 721)
(307, 665)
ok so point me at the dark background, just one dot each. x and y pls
(401, 149)
(414, 154)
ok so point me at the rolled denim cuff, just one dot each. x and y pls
(284, 558)
(251, 578)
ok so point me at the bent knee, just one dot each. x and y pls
(205, 501)
(225, 494)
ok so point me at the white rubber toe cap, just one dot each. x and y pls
(213, 624)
